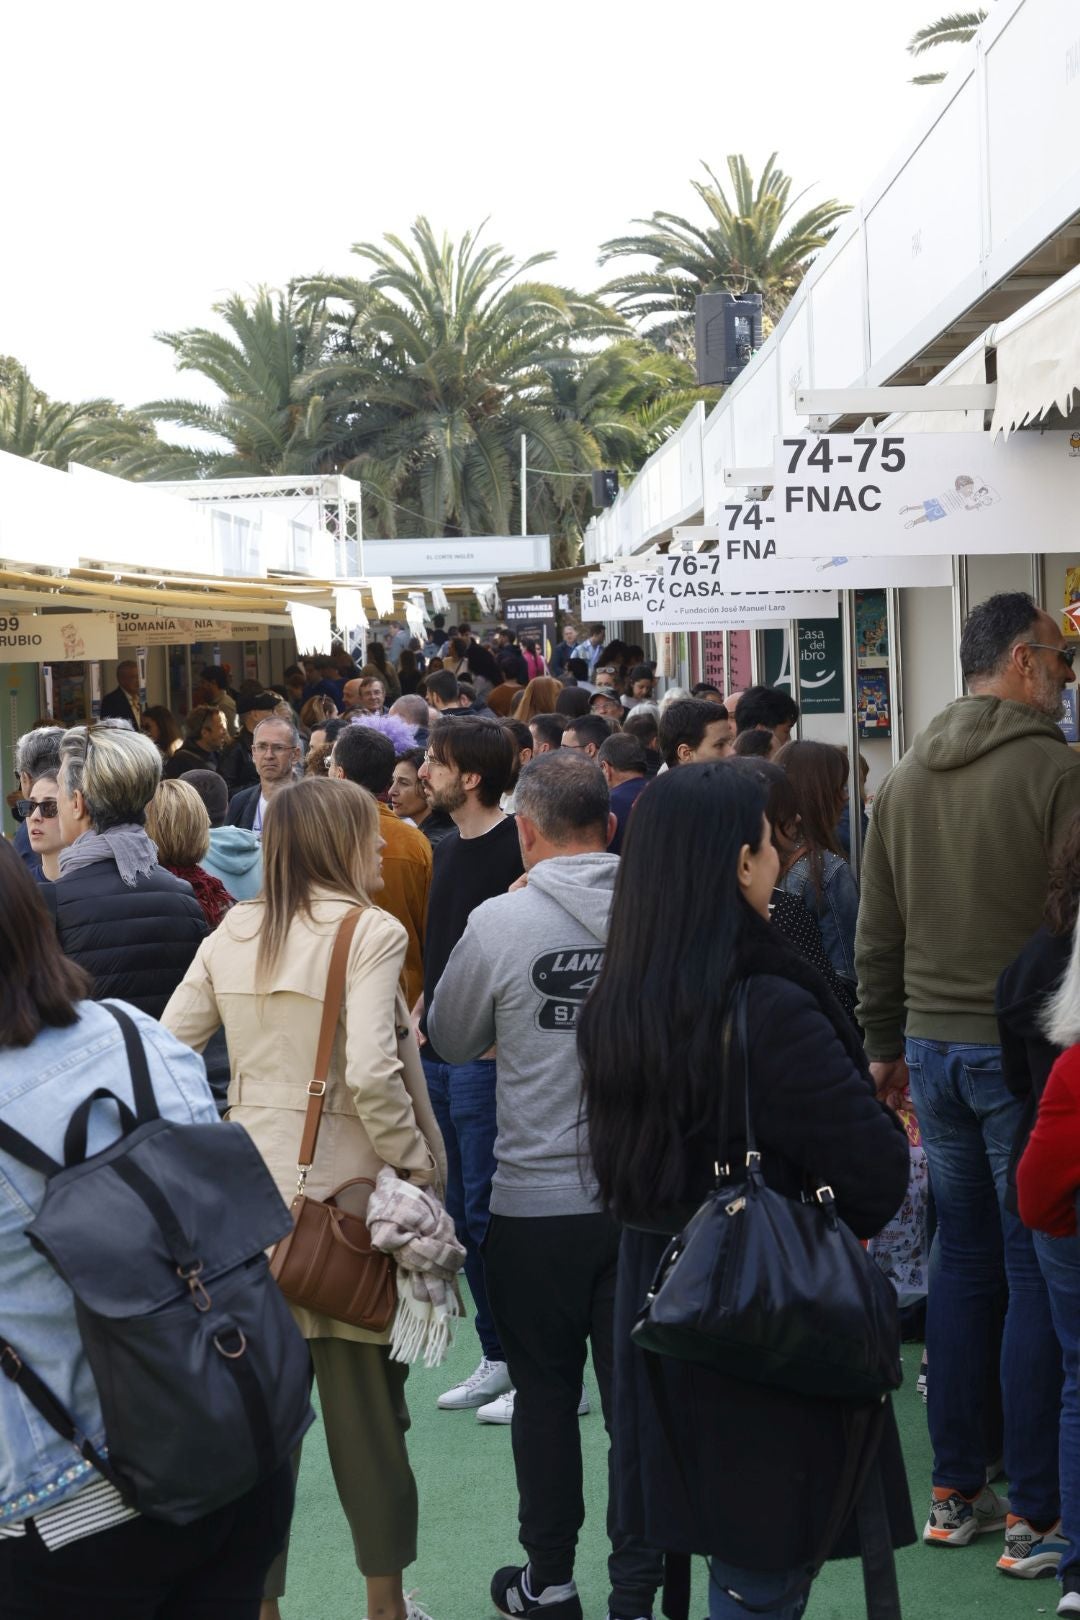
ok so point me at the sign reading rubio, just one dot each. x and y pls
(945, 493)
(687, 593)
(56, 638)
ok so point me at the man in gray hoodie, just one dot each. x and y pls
(516, 980)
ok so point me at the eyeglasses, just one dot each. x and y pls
(1068, 653)
(26, 807)
(272, 748)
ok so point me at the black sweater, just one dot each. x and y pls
(467, 871)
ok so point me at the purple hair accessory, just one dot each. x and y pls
(392, 726)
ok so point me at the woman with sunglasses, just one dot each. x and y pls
(39, 814)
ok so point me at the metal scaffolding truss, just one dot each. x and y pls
(330, 501)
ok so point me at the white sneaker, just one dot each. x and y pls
(490, 1379)
(413, 1611)
(955, 1520)
(501, 1410)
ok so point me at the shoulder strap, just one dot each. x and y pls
(335, 990)
(21, 1148)
(735, 1038)
(43, 1400)
(146, 1108)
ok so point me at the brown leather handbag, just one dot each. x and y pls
(327, 1263)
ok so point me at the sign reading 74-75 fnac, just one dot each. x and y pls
(891, 494)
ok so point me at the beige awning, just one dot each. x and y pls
(1038, 356)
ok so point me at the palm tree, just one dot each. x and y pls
(750, 245)
(628, 396)
(438, 368)
(269, 420)
(95, 432)
(959, 28)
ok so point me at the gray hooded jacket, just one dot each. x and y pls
(516, 980)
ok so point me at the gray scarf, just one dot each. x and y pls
(128, 845)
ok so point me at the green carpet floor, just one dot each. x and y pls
(468, 1525)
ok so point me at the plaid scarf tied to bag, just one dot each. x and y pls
(409, 1223)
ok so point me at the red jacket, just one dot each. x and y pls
(1048, 1176)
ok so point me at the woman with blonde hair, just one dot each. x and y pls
(539, 697)
(263, 976)
(178, 825)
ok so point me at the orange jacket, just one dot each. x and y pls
(406, 870)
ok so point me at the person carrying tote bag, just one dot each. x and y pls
(263, 975)
(744, 1472)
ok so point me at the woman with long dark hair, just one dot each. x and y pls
(788, 915)
(815, 871)
(163, 729)
(69, 1543)
(741, 1472)
(408, 670)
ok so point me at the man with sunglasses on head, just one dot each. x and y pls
(953, 884)
(275, 751)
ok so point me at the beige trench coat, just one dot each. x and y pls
(376, 1109)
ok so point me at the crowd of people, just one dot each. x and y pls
(540, 889)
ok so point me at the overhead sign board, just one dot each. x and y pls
(947, 493)
(753, 558)
(444, 557)
(618, 594)
(56, 638)
(687, 593)
(137, 630)
(528, 609)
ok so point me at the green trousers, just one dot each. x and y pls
(365, 1418)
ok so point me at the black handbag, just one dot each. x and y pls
(780, 1292)
(771, 1289)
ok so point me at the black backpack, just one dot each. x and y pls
(202, 1374)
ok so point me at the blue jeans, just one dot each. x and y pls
(463, 1098)
(1059, 1259)
(756, 1587)
(968, 1119)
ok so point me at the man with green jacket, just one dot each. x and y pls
(953, 884)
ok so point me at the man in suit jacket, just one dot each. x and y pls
(276, 753)
(123, 702)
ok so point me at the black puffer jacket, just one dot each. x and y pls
(136, 941)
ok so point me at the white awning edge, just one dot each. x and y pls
(1038, 356)
(311, 627)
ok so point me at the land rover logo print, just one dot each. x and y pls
(563, 979)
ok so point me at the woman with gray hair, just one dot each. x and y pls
(132, 925)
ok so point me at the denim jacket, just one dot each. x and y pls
(836, 907)
(40, 1086)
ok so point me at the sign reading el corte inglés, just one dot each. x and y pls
(687, 593)
(619, 594)
(56, 638)
(946, 493)
(134, 630)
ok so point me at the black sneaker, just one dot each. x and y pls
(511, 1596)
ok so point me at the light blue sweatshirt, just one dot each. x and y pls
(235, 856)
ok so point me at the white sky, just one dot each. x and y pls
(158, 157)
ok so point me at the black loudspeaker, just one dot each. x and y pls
(605, 486)
(727, 331)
